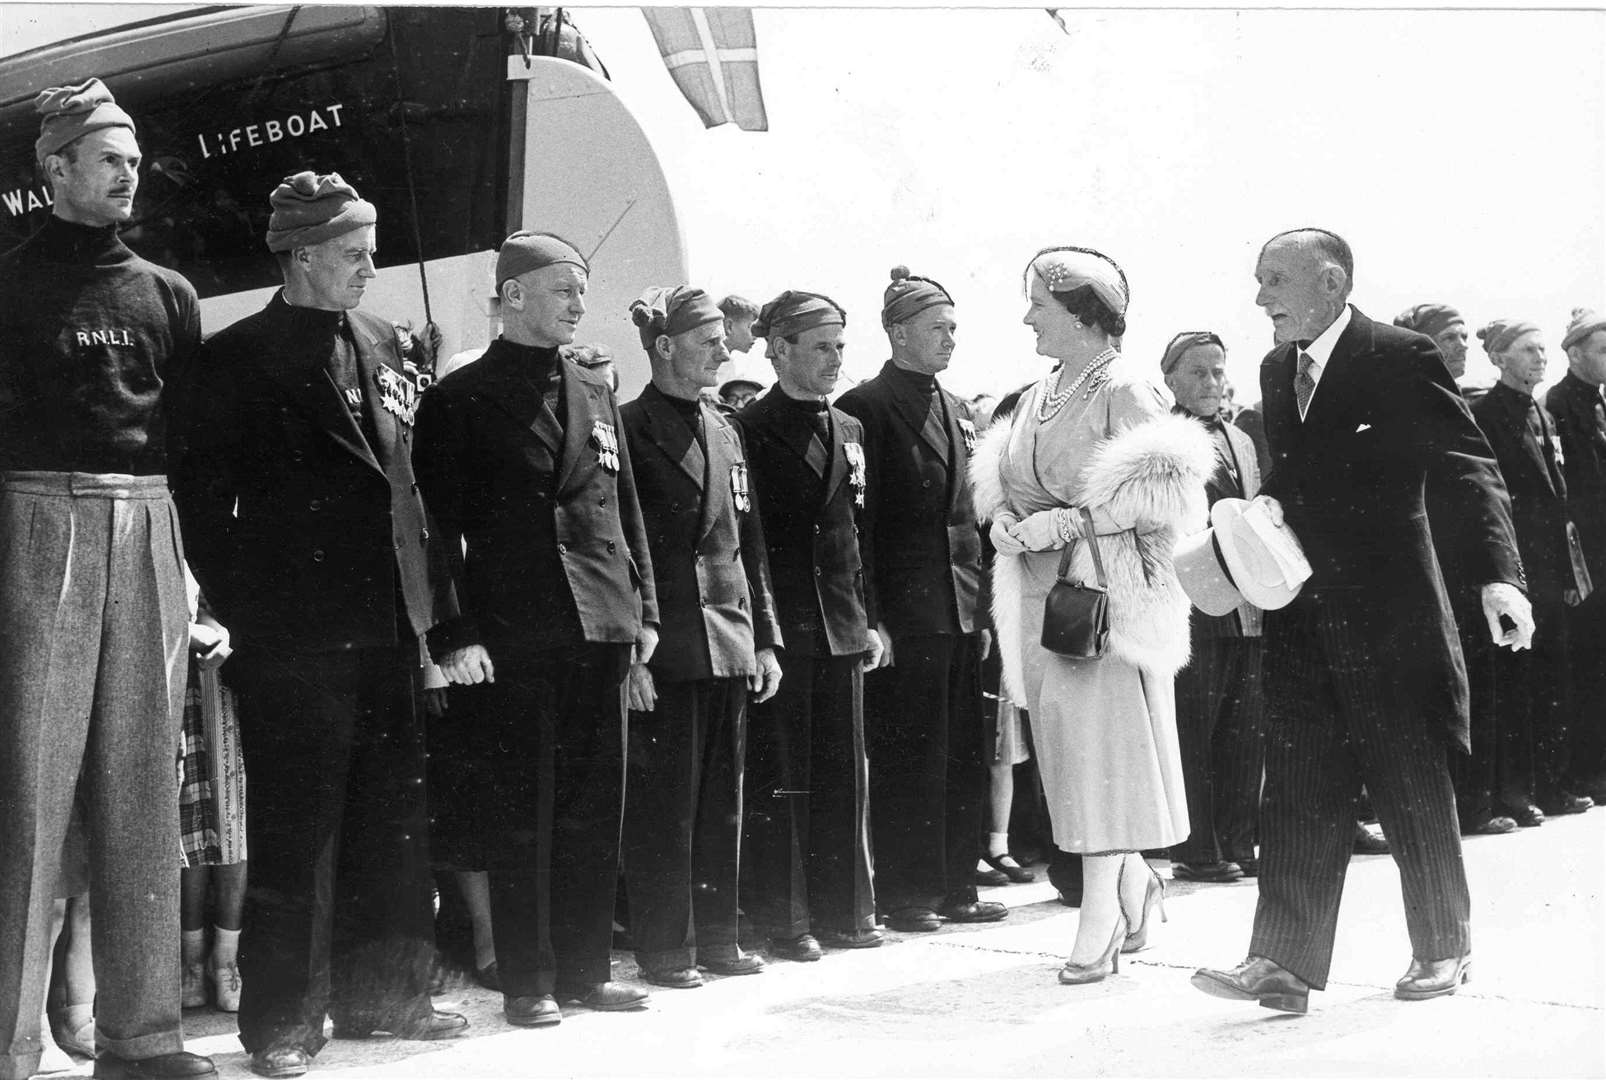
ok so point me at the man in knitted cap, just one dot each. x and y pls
(806, 878)
(688, 705)
(1218, 693)
(1579, 407)
(928, 773)
(307, 534)
(1446, 327)
(94, 341)
(522, 457)
(1531, 698)
(1365, 681)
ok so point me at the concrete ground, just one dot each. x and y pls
(984, 1001)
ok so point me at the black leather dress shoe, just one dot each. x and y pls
(686, 978)
(1215, 873)
(1368, 842)
(1525, 814)
(277, 1062)
(489, 977)
(428, 1028)
(176, 1066)
(1433, 978)
(1250, 866)
(534, 1010)
(914, 920)
(803, 948)
(610, 996)
(990, 879)
(1488, 823)
(1257, 979)
(1007, 865)
(1557, 803)
(972, 911)
(850, 939)
(740, 963)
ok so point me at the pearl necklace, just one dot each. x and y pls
(1050, 403)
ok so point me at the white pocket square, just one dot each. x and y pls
(1363, 427)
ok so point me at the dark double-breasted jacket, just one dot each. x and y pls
(1385, 418)
(710, 568)
(1532, 469)
(540, 517)
(306, 535)
(822, 574)
(1579, 411)
(922, 520)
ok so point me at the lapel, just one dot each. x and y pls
(1283, 432)
(1515, 412)
(1243, 456)
(911, 408)
(370, 358)
(670, 435)
(311, 387)
(957, 452)
(723, 454)
(784, 427)
(837, 470)
(1330, 408)
(515, 394)
(584, 411)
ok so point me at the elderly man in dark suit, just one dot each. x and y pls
(928, 755)
(522, 457)
(1533, 690)
(806, 863)
(306, 533)
(1219, 693)
(1365, 679)
(1579, 407)
(688, 706)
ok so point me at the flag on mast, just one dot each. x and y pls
(712, 54)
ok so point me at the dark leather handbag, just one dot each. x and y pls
(1076, 616)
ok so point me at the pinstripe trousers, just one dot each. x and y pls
(93, 622)
(1332, 727)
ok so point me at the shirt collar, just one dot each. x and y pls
(1321, 350)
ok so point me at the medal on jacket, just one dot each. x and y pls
(856, 475)
(397, 393)
(606, 444)
(968, 430)
(739, 493)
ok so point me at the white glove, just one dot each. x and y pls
(1003, 539)
(1500, 598)
(1040, 531)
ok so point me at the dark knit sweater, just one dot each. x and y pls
(94, 341)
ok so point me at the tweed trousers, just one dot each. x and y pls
(93, 630)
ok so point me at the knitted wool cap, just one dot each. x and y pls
(1584, 323)
(672, 311)
(309, 209)
(1429, 319)
(525, 251)
(1499, 335)
(909, 295)
(71, 112)
(795, 311)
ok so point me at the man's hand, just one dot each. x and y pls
(884, 636)
(1572, 598)
(1501, 598)
(210, 643)
(468, 665)
(646, 644)
(434, 702)
(640, 693)
(1273, 508)
(768, 680)
(1038, 532)
(872, 650)
(1003, 538)
(986, 643)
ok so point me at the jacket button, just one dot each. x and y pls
(315, 505)
(297, 455)
(816, 529)
(415, 489)
(317, 555)
(562, 550)
(602, 500)
(423, 535)
(817, 571)
(925, 483)
(611, 547)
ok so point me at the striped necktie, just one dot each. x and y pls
(1304, 382)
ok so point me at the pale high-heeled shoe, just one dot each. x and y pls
(1074, 974)
(1153, 898)
(226, 987)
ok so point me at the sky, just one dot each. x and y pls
(1461, 152)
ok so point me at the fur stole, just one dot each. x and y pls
(1151, 475)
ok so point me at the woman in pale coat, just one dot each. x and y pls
(1094, 434)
